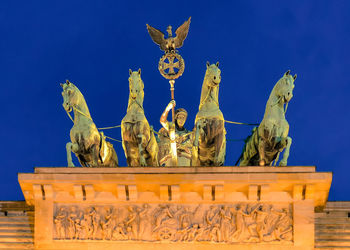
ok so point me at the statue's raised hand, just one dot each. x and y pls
(171, 104)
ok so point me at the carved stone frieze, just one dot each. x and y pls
(229, 223)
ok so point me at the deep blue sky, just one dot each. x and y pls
(94, 43)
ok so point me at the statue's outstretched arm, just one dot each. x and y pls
(163, 118)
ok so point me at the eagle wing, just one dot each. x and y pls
(157, 36)
(181, 33)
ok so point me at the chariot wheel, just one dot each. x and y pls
(165, 233)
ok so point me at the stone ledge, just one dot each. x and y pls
(177, 170)
(187, 184)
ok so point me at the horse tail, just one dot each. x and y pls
(249, 149)
(240, 157)
(107, 154)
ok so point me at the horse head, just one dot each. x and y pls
(71, 95)
(284, 87)
(136, 86)
(213, 75)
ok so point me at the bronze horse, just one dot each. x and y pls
(271, 137)
(90, 146)
(209, 147)
(139, 143)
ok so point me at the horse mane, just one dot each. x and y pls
(273, 91)
(207, 90)
(274, 100)
(82, 100)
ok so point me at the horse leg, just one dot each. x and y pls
(142, 146)
(222, 153)
(128, 154)
(261, 149)
(114, 158)
(95, 151)
(249, 153)
(194, 157)
(276, 160)
(69, 147)
(220, 149)
(152, 149)
(283, 162)
(196, 136)
(125, 145)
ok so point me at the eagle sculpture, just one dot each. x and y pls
(171, 43)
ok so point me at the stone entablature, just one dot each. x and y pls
(66, 199)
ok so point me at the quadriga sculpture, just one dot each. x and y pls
(210, 135)
(271, 137)
(90, 146)
(139, 144)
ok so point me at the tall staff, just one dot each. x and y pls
(171, 66)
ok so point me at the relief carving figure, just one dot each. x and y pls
(108, 224)
(166, 224)
(239, 223)
(145, 223)
(60, 223)
(272, 218)
(87, 143)
(215, 233)
(129, 233)
(79, 234)
(284, 229)
(132, 223)
(139, 143)
(163, 216)
(85, 224)
(261, 221)
(193, 232)
(229, 223)
(72, 216)
(225, 223)
(187, 215)
(209, 147)
(182, 233)
(271, 137)
(211, 217)
(119, 233)
(88, 225)
(200, 233)
(183, 138)
(96, 220)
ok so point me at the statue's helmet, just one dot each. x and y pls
(180, 111)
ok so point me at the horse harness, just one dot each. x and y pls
(209, 96)
(79, 111)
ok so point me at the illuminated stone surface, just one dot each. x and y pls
(176, 208)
